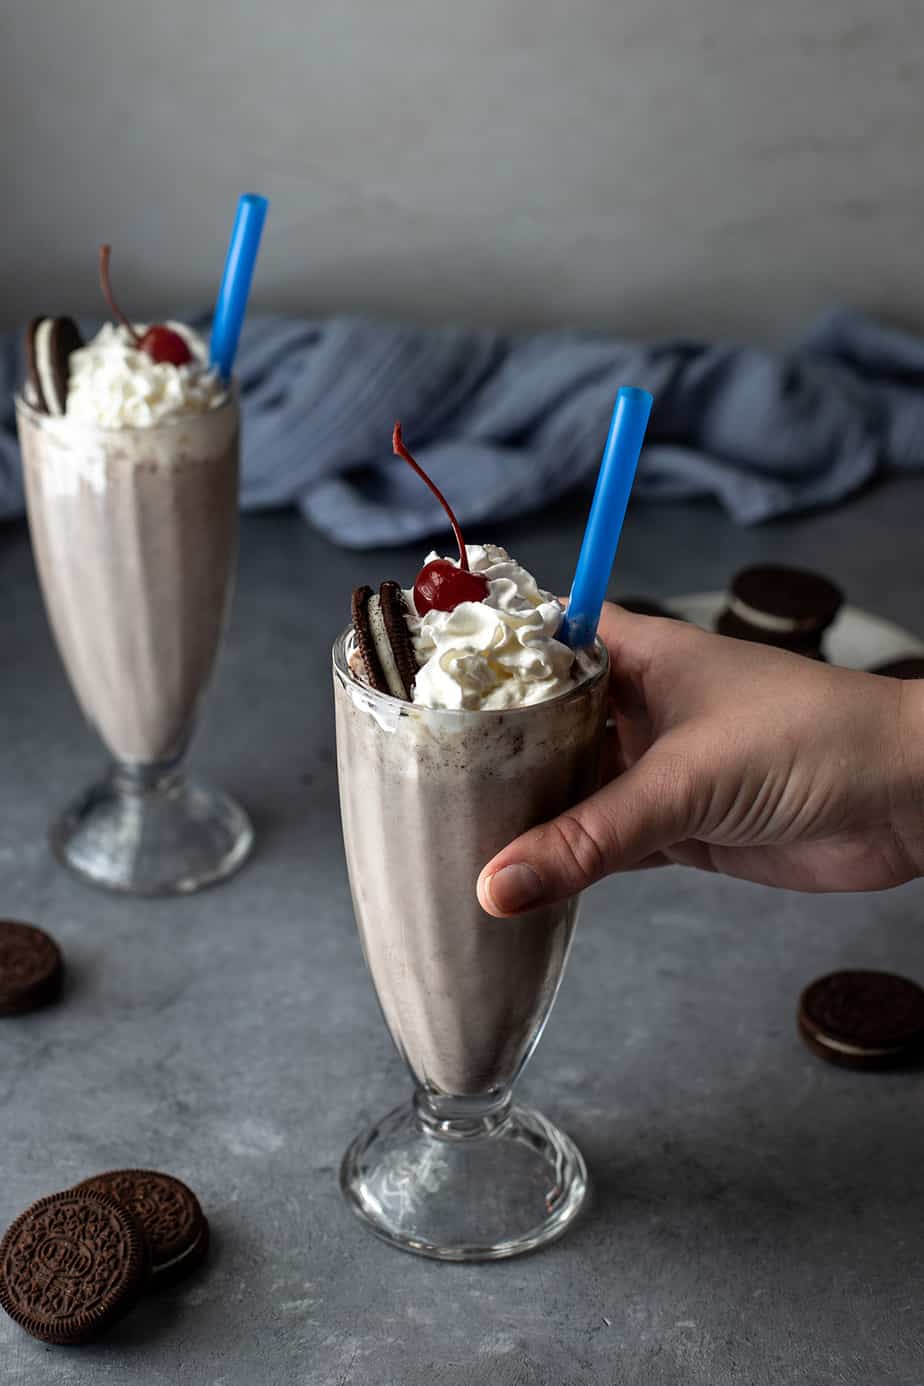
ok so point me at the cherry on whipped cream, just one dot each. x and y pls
(441, 585)
(160, 342)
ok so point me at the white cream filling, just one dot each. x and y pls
(763, 620)
(43, 365)
(853, 1049)
(188, 1252)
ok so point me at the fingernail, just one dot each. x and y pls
(513, 888)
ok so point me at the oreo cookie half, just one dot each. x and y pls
(364, 642)
(49, 343)
(384, 641)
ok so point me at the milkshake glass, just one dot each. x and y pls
(428, 796)
(134, 532)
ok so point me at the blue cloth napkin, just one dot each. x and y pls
(506, 424)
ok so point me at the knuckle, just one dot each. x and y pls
(583, 853)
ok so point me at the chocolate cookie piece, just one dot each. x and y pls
(911, 667)
(393, 610)
(863, 1019)
(49, 343)
(383, 640)
(790, 608)
(364, 641)
(31, 968)
(71, 1265)
(170, 1216)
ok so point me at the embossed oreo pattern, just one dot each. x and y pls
(169, 1213)
(30, 967)
(71, 1265)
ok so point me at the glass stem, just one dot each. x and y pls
(131, 777)
(463, 1118)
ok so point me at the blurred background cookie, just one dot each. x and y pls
(790, 608)
(31, 968)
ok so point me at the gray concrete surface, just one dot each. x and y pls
(696, 167)
(757, 1215)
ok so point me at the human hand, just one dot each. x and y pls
(736, 758)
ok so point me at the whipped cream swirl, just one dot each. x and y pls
(114, 385)
(494, 654)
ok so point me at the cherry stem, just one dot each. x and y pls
(397, 443)
(104, 253)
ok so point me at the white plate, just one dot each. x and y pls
(857, 640)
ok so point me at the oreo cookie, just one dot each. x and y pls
(71, 1265)
(49, 343)
(383, 640)
(863, 1019)
(362, 636)
(911, 667)
(31, 968)
(790, 608)
(170, 1216)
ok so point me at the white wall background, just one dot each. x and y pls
(682, 166)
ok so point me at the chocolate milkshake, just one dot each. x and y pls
(130, 459)
(134, 532)
(462, 720)
(428, 796)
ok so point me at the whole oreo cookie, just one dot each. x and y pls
(863, 1019)
(169, 1214)
(71, 1265)
(49, 343)
(31, 968)
(789, 608)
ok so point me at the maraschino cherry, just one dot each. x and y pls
(440, 585)
(159, 342)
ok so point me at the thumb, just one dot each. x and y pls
(634, 816)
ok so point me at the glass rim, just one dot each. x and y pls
(387, 700)
(43, 419)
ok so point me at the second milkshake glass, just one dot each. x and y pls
(428, 796)
(134, 532)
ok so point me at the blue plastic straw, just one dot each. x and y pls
(235, 284)
(607, 512)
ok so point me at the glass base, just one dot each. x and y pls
(466, 1189)
(149, 831)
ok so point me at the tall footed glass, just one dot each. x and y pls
(427, 797)
(134, 532)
